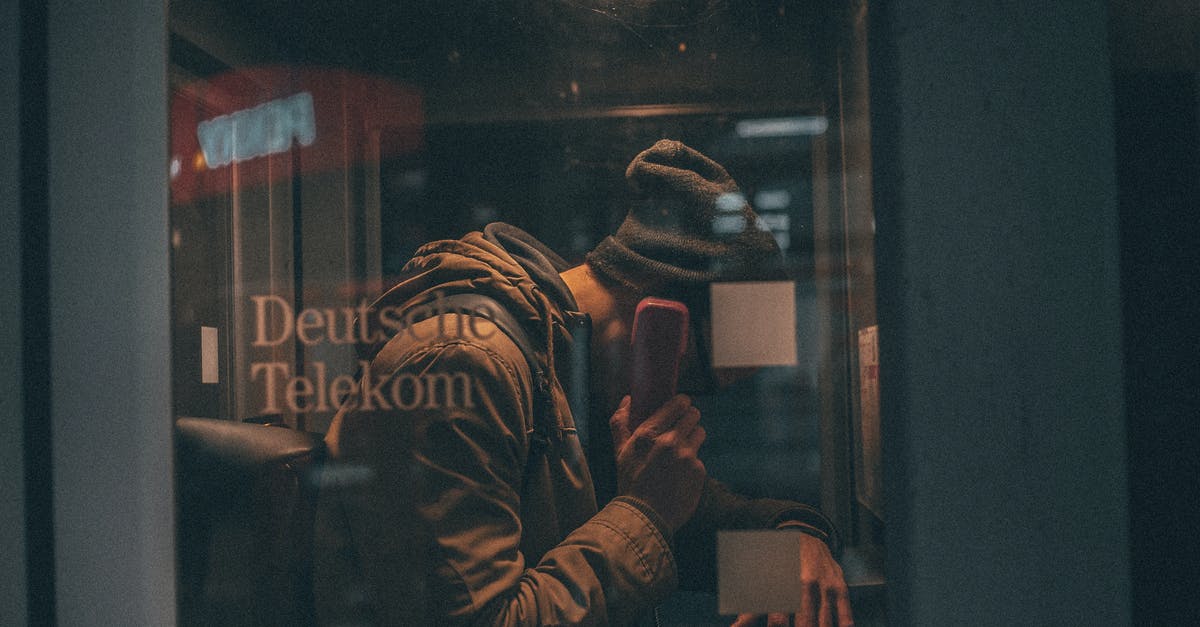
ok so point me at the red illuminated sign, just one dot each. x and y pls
(264, 125)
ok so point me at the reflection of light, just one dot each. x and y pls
(413, 178)
(343, 475)
(771, 199)
(176, 166)
(775, 221)
(483, 213)
(198, 162)
(782, 127)
(778, 225)
(266, 129)
(730, 224)
(730, 202)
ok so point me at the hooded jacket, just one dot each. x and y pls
(462, 501)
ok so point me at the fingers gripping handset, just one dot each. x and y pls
(658, 462)
(660, 330)
(656, 432)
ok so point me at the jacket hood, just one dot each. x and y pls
(501, 262)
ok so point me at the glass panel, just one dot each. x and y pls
(316, 146)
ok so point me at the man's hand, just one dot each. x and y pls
(657, 462)
(824, 600)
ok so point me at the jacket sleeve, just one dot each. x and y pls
(721, 510)
(462, 474)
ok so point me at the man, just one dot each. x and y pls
(465, 491)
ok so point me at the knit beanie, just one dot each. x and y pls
(689, 226)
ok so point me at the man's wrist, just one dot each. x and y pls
(794, 525)
(812, 522)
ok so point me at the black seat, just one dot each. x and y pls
(246, 504)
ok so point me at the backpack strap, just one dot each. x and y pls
(545, 422)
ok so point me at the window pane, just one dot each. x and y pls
(315, 147)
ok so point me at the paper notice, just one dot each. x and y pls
(758, 572)
(208, 355)
(754, 324)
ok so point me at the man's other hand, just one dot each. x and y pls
(824, 600)
(657, 461)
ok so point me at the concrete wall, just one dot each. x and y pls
(12, 471)
(109, 298)
(999, 314)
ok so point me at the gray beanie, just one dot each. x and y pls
(689, 226)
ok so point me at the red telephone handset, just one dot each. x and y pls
(660, 333)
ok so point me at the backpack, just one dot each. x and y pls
(342, 551)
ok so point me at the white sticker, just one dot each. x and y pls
(754, 324)
(208, 355)
(758, 572)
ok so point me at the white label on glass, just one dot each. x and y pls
(754, 324)
(758, 572)
(208, 355)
